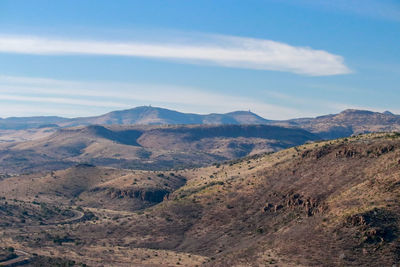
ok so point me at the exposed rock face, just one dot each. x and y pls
(310, 206)
(374, 226)
(350, 151)
(148, 194)
(316, 154)
(267, 207)
(372, 152)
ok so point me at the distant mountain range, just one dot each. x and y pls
(147, 115)
(144, 115)
(347, 123)
(343, 124)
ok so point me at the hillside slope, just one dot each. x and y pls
(347, 122)
(91, 186)
(327, 204)
(147, 115)
(333, 203)
(146, 147)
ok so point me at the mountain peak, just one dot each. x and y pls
(356, 112)
(148, 115)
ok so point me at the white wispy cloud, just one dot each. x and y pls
(112, 95)
(61, 100)
(26, 96)
(227, 51)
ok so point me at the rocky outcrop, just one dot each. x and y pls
(316, 154)
(349, 151)
(373, 151)
(310, 206)
(148, 194)
(374, 226)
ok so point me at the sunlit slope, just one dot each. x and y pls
(332, 203)
(146, 147)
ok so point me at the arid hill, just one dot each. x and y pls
(347, 123)
(144, 115)
(331, 126)
(146, 147)
(91, 186)
(332, 203)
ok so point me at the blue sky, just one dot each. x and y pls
(279, 58)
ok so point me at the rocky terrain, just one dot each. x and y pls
(146, 147)
(91, 186)
(347, 123)
(328, 203)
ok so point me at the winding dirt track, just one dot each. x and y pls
(78, 216)
(24, 257)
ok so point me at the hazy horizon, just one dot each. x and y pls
(209, 113)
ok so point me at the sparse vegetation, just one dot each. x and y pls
(295, 206)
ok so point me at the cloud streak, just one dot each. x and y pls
(112, 95)
(26, 96)
(226, 51)
(60, 100)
